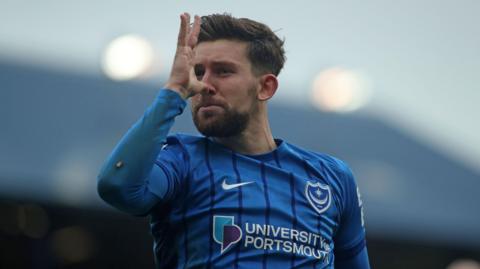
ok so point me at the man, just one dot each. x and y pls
(235, 197)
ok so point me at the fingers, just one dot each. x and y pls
(187, 18)
(195, 31)
(195, 84)
(188, 35)
(182, 75)
(184, 29)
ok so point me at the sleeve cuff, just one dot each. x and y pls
(170, 94)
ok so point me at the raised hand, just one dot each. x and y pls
(182, 76)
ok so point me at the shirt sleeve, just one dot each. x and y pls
(359, 261)
(135, 176)
(350, 245)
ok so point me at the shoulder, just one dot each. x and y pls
(189, 144)
(184, 139)
(326, 161)
(334, 171)
(182, 149)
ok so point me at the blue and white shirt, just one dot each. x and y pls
(211, 207)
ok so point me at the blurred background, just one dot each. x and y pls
(389, 86)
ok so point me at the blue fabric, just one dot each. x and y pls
(213, 208)
(360, 260)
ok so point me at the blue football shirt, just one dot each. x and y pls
(211, 207)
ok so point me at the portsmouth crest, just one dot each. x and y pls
(318, 195)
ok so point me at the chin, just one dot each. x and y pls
(225, 124)
(209, 127)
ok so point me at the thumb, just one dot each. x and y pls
(198, 86)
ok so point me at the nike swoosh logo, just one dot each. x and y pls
(227, 186)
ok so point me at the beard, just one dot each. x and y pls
(230, 123)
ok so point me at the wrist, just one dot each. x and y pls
(178, 89)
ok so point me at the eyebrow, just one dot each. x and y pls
(221, 62)
(224, 62)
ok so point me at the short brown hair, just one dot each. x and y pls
(265, 50)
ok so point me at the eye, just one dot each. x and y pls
(199, 71)
(224, 71)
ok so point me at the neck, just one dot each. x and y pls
(256, 139)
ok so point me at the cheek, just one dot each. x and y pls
(194, 101)
(245, 102)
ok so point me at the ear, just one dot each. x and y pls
(269, 85)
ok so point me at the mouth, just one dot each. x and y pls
(210, 106)
(210, 109)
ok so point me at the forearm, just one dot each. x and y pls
(122, 181)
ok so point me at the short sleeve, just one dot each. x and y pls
(350, 237)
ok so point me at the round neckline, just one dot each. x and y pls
(267, 156)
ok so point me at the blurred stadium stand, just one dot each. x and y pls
(57, 128)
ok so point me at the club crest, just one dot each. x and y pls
(318, 195)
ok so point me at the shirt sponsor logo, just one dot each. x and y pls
(225, 232)
(270, 237)
(318, 195)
